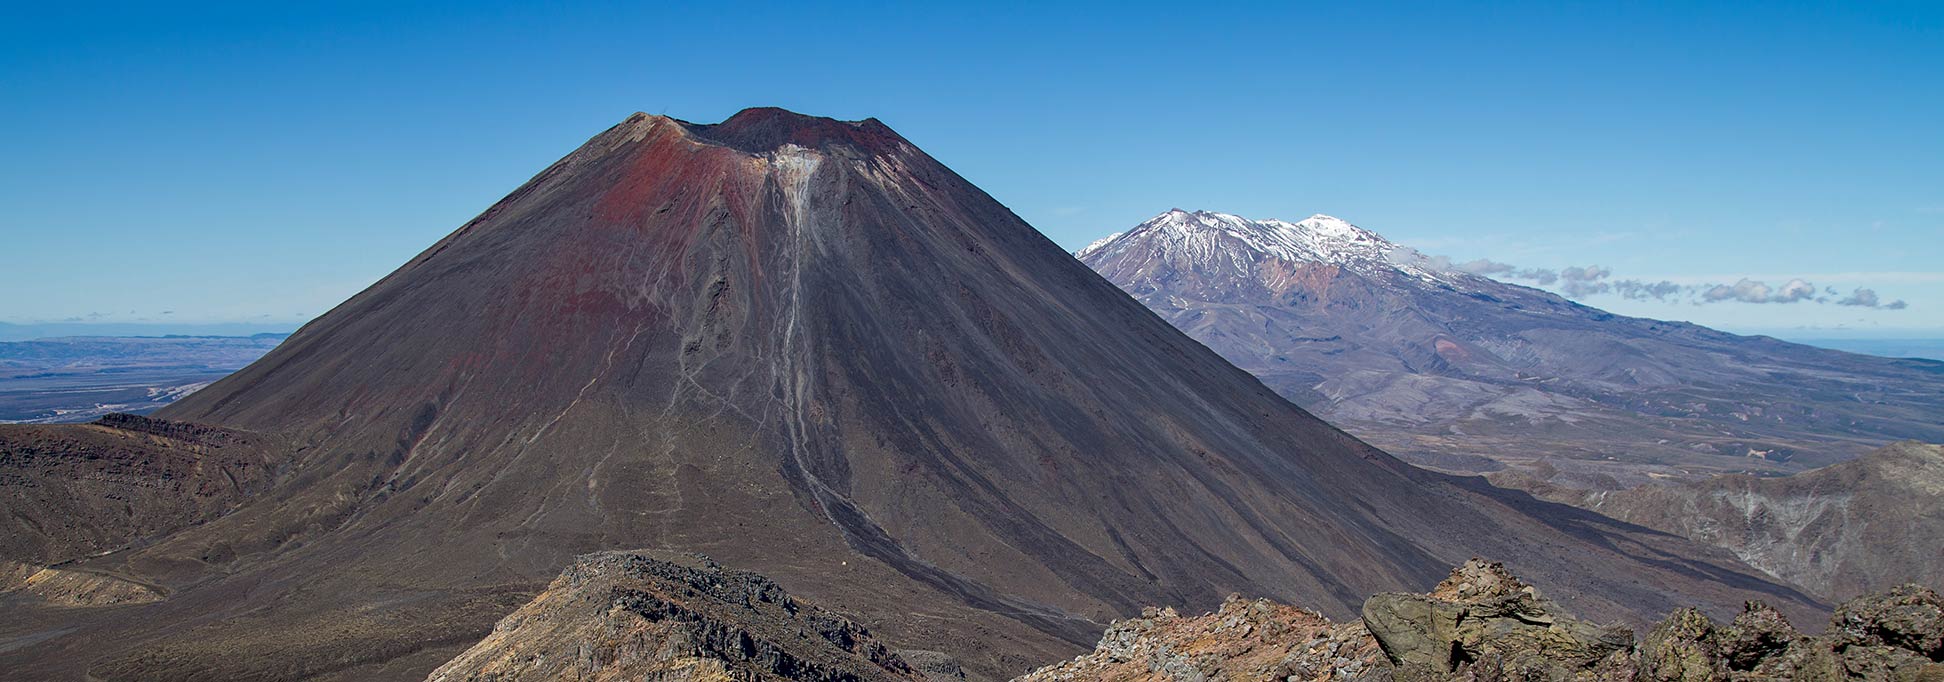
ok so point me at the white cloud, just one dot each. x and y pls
(1594, 280)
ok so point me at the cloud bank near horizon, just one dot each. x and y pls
(1594, 280)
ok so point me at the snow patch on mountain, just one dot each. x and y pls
(1097, 243)
(1211, 240)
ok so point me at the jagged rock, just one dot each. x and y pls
(1483, 618)
(674, 618)
(1244, 640)
(1908, 616)
(1482, 624)
(1689, 646)
(1876, 637)
(1683, 647)
(1759, 633)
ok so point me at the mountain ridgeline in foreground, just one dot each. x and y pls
(1482, 624)
(1845, 529)
(1466, 373)
(806, 349)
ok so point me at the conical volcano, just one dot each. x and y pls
(803, 348)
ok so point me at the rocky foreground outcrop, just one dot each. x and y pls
(1482, 619)
(678, 618)
(1483, 624)
(674, 618)
(1245, 640)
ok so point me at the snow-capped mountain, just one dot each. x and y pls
(1242, 257)
(1468, 373)
(1209, 240)
(1318, 237)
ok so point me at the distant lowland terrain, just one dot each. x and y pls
(81, 378)
(1468, 374)
(1932, 349)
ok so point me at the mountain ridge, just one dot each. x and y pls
(1469, 374)
(1853, 527)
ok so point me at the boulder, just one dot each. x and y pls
(1484, 619)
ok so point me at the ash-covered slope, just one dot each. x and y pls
(1466, 373)
(804, 348)
(71, 491)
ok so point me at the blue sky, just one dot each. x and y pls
(236, 162)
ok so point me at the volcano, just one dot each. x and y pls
(1468, 374)
(804, 348)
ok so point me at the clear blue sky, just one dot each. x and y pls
(248, 162)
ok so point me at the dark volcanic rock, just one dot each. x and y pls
(1876, 637)
(1484, 625)
(1483, 618)
(1907, 617)
(76, 492)
(807, 349)
(1245, 639)
(1759, 633)
(1683, 647)
(633, 616)
(73, 491)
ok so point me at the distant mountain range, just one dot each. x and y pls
(13, 331)
(1469, 374)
